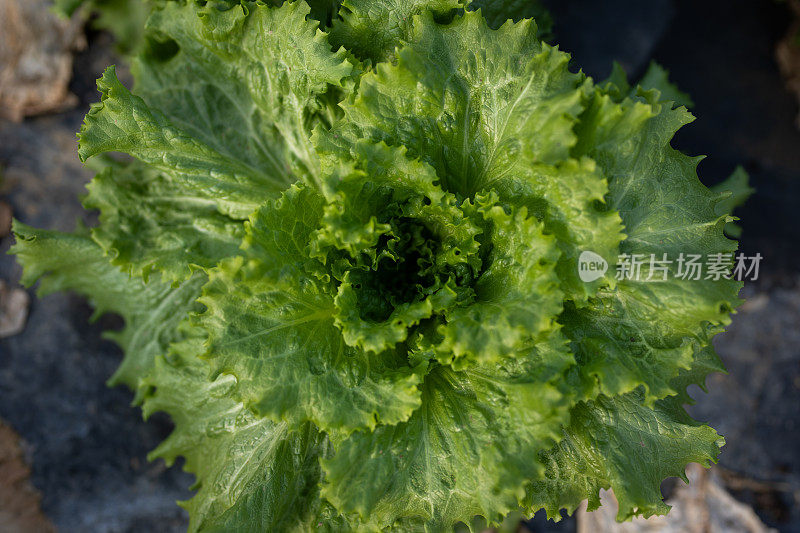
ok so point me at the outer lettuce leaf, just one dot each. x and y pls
(252, 474)
(497, 12)
(656, 77)
(123, 122)
(150, 222)
(643, 332)
(194, 131)
(232, 130)
(736, 190)
(151, 311)
(465, 452)
(611, 438)
(372, 29)
(452, 84)
(246, 80)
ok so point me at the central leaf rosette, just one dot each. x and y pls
(461, 279)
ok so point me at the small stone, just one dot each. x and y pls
(14, 304)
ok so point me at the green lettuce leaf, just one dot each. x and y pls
(482, 119)
(656, 77)
(194, 131)
(736, 190)
(372, 29)
(643, 332)
(202, 171)
(149, 222)
(123, 122)
(246, 81)
(608, 439)
(465, 452)
(497, 12)
(252, 474)
(152, 311)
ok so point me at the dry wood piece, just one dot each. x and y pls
(5, 219)
(36, 49)
(19, 501)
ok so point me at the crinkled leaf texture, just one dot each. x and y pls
(152, 310)
(347, 263)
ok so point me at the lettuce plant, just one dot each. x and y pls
(345, 249)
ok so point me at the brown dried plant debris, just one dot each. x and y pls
(19, 502)
(702, 506)
(5, 219)
(36, 48)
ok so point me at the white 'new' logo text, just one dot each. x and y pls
(591, 266)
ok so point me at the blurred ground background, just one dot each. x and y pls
(85, 446)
